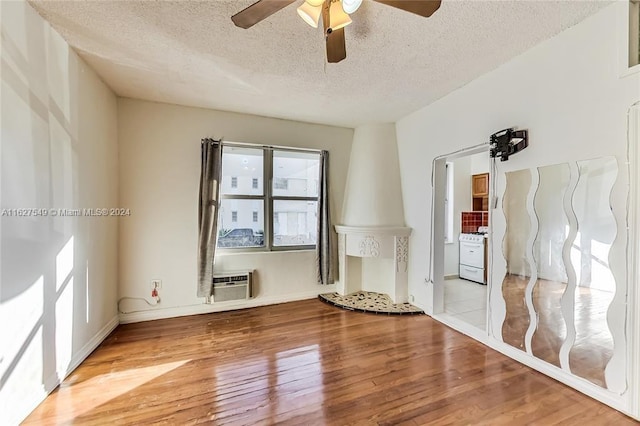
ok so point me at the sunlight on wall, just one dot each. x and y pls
(62, 174)
(64, 329)
(86, 293)
(64, 308)
(22, 345)
(64, 263)
(28, 307)
(59, 76)
(58, 141)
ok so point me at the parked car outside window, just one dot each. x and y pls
(241, 237)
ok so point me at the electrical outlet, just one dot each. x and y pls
(157, 284)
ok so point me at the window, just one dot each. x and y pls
(256, 215)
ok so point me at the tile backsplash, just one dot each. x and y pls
(470, 221)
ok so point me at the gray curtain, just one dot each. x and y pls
(324, 247)
(210, 175)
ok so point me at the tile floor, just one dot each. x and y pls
(467, 301)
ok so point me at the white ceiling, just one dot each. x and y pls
(190, 53)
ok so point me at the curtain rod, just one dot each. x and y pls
(252, 145)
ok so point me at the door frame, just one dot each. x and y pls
(437, 250)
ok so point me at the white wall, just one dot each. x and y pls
(58, 151)
(480, 163)
(573, 105)
(373, 196)
(568, 92)
(461, 203)
(159, 177)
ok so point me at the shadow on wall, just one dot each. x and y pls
(46, 244)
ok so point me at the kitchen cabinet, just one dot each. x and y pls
(480, 192)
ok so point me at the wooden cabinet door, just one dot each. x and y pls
(480, 185)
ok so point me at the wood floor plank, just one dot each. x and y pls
(308, 363)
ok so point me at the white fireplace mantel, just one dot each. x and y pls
(380, 242)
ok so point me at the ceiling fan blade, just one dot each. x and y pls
(336, 48)
(424, 8)
(258, 11)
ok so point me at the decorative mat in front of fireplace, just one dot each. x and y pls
(369, 301)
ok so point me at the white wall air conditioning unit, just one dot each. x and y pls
(232, 286)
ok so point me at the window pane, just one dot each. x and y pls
(295, 174)
(294, 222)
(242, 171)
(241, 223)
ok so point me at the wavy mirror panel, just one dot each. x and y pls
(514, 247)
(551, 283)
(558, 285)
(595, 284)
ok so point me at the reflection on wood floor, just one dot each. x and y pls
(593, 346)
(308, 363)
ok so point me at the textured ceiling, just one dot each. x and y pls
(190, 53)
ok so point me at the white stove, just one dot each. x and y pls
(473, 238)
(472, 255)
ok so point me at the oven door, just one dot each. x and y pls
(471, 273)
(472, 254)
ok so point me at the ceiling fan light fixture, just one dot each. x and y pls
(314, 2)
(350, 6)
(337, 17)
(310, 14)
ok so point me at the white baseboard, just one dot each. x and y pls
(203, 308)
(91, 345)
(52, 381)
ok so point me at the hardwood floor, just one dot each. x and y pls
(308, 363)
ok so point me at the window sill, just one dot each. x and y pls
(227, 252)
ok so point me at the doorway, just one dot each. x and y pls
(461, 193)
